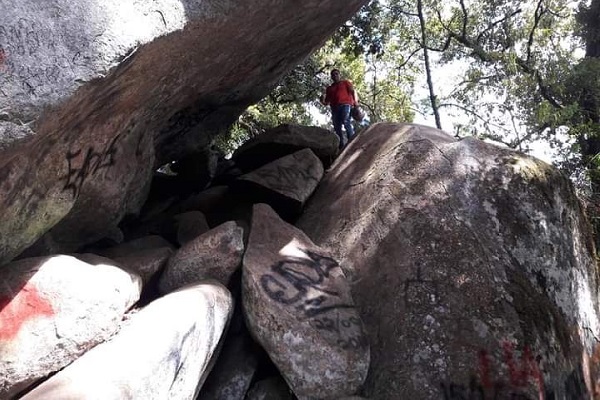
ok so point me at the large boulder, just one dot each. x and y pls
(473, 266)
(216, 254)
(53, 309)
(123, 103)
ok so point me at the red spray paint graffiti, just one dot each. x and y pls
(528, 372)
(25, 306)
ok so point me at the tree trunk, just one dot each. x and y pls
(432, 96)
(590, 104)
(590, 144)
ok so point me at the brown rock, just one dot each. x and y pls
(189, 226)
(93, 156)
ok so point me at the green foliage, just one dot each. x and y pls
(383, 92)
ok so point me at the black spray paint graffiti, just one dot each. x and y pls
(419, 291)
(341, 326)
(298, 275)
(294, 281)
(81, 165)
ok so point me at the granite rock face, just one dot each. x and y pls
(472, 266)
(125, 88)
(433, 268)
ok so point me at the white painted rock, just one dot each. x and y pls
(164, 351)
(53, 309)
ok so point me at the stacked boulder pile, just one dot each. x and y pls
(411, 265)
(148, 317)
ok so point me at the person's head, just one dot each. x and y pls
(335, 75)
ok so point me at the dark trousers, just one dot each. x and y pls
(340, 115)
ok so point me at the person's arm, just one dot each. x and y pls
(325, 98)
(353, 93)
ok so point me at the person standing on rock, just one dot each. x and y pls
(341, 96)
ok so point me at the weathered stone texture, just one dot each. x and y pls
(164, 351)
(471, 264)
(298, 306)
(54, 309)
(91, 160)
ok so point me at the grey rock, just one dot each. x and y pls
(164, 351)
(233, 372)
(132, 87)
(273, 388)
(133, 246)
(285, 140)
(216, 254)
(12, 133)
(298, 306)
(466, 260)
(147, 262)
(285, 184)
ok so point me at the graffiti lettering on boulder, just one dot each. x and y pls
(341, 326)
(292, 278)
(305, 284)
(83, 164)
(15, 311)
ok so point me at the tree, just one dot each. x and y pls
(531, 69)
(382, 90)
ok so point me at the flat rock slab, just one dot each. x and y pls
(298, 307)
(285, 184)
(53, 309)
(164, 351)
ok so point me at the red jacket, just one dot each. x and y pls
(340, 93)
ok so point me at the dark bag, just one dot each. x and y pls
(357, 113)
